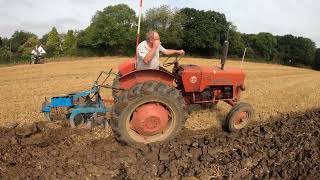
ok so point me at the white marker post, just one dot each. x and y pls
(244, 55)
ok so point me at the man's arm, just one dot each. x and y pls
(169, 52)
(149, 56)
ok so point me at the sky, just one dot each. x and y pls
(280, 17)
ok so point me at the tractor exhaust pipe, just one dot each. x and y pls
(225, 50)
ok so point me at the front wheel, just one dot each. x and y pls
(239, 117)
(148, 113)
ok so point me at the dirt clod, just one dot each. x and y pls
(287, 147)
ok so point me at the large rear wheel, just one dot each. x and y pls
(115, 87)
(147, 113)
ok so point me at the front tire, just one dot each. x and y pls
(239, 117)
(150, 92)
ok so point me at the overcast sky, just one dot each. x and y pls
(297, 17)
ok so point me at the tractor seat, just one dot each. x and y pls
(127, 67)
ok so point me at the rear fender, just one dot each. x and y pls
(141, 76)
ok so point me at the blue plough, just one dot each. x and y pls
(82, 108)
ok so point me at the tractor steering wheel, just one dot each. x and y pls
(167, 63)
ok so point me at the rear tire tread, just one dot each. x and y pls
(138, 91)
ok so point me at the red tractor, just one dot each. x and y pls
(152, 105)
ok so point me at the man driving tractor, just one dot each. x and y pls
(149, 51)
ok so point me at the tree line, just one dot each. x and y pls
(112, 31)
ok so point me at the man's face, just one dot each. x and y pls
(156, 37)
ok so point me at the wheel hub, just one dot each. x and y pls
(241, 118)
(150, 119)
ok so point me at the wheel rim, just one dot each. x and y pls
(78, 120)
(151, 128)
(149, 119)
(241, 119)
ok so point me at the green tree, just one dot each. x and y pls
(295, 50)
(236, 42)
(203, 31)
(70, 43)
(316, 63)
(265, 45)
(44, 39)
(175, 31)
(5, 55)
(26, 49)
(1, 43)
(309, 50)
(19, 38)
(262, 45)
(167, 22)
(159, 19)
(53, 43)
(5, 42)
(112, 31)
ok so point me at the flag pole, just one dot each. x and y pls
(139, 27)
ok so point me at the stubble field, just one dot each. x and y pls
(271, 89)
(284, 146)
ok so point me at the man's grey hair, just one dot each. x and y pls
(150, 35)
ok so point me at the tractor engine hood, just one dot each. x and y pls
(197, 78)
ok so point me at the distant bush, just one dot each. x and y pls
(5, 56)
(316, 64)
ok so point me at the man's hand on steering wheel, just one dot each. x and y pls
(181, 52)
(168, 63)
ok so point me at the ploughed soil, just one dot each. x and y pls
(287, 147)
